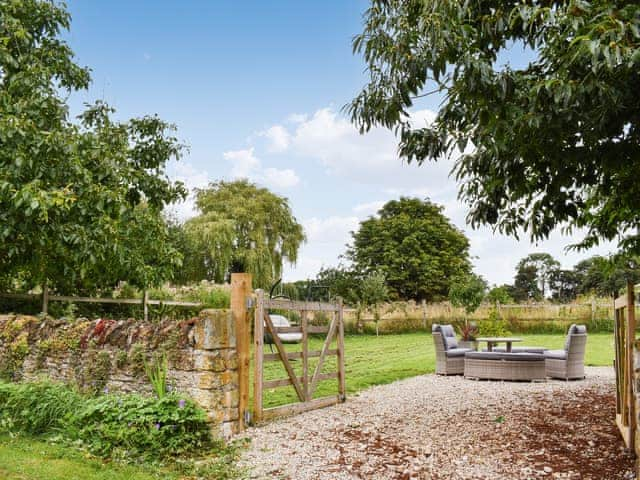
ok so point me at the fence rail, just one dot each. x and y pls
(145, 301)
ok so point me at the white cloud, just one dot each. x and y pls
(297, 118)
(333, 229)
(192, 178)
(369, 208)
(371, 159)
(286, 178)
(279, 138)
(246, 165)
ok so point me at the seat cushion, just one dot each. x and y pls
(556, 354)
(519, 357)
(457, 352)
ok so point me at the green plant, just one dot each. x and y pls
(38, 407)
(132, 426)
(156, 372)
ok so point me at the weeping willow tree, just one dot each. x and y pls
(242, 228)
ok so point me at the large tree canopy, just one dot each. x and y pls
(414, 246)
(242, 228)
(556, 142)
(80, 202)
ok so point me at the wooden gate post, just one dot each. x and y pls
(240, 292)
(258, 337)
(630, 341)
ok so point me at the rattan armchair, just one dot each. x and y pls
(568, 364)
(449, 358)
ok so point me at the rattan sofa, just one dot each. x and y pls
(568, 364)
(449, 358)
(504, 366)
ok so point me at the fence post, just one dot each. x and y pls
(593, 310)
(424, 313)
(240, 292)
(145, 305)
(45, 299)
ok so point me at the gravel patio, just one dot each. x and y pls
(441, 428)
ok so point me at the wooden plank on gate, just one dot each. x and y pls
(295, 408)
(288, 329)
(620, 302)
(315, 329)
(283, 382)
(283, 357)
(258, 329)
(305, 356)
(272, 357)
(342, 388)
(325, 349)
(327, 376)
(283, 304)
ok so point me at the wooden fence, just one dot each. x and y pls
(145, 301)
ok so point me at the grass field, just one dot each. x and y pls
(370, 361)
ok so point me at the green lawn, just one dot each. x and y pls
(374, 360)
(23, 458)
(369, 361)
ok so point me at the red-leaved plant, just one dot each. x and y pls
(468, 332)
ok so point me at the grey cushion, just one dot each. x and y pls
(568, 339)
(449, 337)
(556, 354)
(457, 352)
(574, 330)
(519, 349)
(505, 356)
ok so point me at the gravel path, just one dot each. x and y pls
(432, 427)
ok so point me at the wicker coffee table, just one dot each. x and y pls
(493, 341)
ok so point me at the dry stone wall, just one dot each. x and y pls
(109, 356)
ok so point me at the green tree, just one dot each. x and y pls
(525, 285)
(501, 294)
(545, 267)
(468, 292)
(242, 228)
(564, 284)
(607, 276)
(414, 246)
(78, 200)
(555, 141)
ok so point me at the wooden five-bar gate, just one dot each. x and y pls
(306, 383)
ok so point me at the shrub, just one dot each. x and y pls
(494, 326)
(124, 426)
(38, 407)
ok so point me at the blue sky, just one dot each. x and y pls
(255, 89)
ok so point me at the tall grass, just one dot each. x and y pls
(37, 408)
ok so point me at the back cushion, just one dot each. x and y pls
(574, 330)
(567, 342)
(449, 336)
